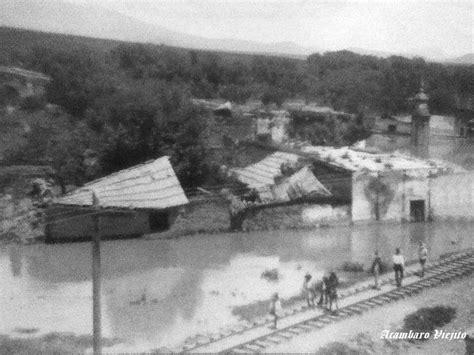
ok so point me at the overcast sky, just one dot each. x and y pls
(393, 26)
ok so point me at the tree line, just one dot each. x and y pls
(131, 103)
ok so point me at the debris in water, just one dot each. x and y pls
(270, 275)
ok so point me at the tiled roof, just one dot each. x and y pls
(355, 160)
(264, 172)
(261, 176)
(152, 185)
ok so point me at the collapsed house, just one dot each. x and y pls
(374, 187)
(396, 187)
(281, 177)
(289, 194)
(132, 202)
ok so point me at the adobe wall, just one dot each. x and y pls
(389, 193)
(76, 224)
(213, 217)
(297, 216)
(209, 216)
(453, 196)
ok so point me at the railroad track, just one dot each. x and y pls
(443, 271)
(447, 269)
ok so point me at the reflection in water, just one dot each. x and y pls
(15, 260)
(156, 293)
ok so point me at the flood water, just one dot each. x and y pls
(191, 284)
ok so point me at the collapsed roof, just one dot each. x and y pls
(152, 185)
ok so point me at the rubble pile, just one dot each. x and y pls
(22, 218)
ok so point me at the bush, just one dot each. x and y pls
(337, 348)
(32, 103)
(351, 266)
(428, 319)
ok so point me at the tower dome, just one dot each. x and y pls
(421, 104)
(421, 96)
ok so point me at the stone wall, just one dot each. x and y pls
(209, 216)
(20, 217)
(213, 217)
(297, 216)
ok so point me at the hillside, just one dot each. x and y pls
(465, 59)
(91, 19)
(96, 21)
(17, 42)
(126, 103)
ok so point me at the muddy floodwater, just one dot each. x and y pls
(158, 292)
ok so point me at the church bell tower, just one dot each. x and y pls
(420, 126)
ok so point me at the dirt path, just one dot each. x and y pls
(363, 333)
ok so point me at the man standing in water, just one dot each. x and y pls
(376, 269)
(398, 266)
(422, 254)
(275, 309)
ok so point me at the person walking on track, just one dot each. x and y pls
(376, 269)
(309, 290)
(398, 266)
(423, 255)
(324, 288)
(332, 292)
(275, 309)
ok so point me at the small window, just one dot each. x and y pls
(392, 128)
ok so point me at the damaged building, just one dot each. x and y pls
(367, 186)
(132, 202)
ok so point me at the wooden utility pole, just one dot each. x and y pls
(96, 279)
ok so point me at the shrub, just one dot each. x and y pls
(32, 103)
(427, 319)
(337, 348)
(352, 266)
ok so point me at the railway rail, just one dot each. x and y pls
(447, 269)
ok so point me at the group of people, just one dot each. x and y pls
(327, 287)
(398, 265)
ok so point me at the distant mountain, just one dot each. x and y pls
(94, 21)
(465, 59)
(68, 18)
(430, 54)
(364, 51)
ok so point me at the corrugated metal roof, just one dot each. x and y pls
(151, 185)
(264, 172)
(24, 73)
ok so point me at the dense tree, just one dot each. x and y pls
(59, 141)
(78, 77)
(131, 102)
(154, 119)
